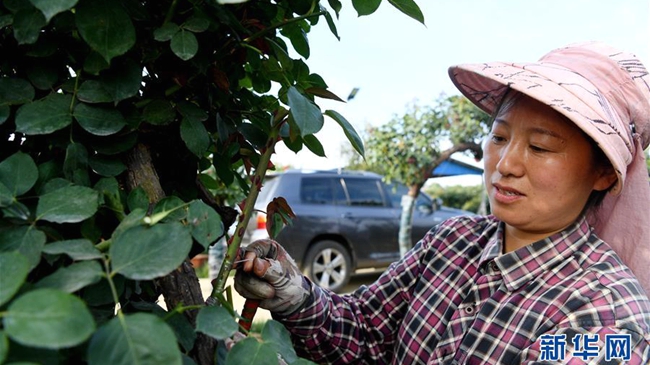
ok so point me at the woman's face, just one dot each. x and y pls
(539, 171)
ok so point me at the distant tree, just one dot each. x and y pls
(457, 196)
(410, 147)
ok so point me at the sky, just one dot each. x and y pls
(395, 60)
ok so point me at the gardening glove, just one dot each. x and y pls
(271, 276)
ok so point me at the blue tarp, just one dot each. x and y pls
(453, 167)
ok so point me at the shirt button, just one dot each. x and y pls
(469, 310)
(493, 266)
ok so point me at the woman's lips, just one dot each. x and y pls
(505, 194)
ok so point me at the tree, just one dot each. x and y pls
(119, 122)
(410, 147)
(457, 196)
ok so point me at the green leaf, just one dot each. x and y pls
(298, 39)
(54, 184)
(18, 173)
(133, 219)
(42, 75)
(4, 113)
(196, 24)
(169, 206)
(48, 318)
(336, 6)
(95, 63)
(14, 268)
(314, 145)
(110, 190)
(114, 144)
(6, 196)
(216, 322)
(106, 27)
(70, 204)
(27, 25)
(183, 330)
(75, 165)
(184, 45)
(192, 111)
(275, 334)
(106, 166)
(15, 91)
(208, 181)
(101, 293)
(74, 277)
(144, 253)
(365, 7)
(140, 338)
(195, 136)
(93, 91)
(410, 8)
(250, 351)
(98, 120)
(78, 249)
(123, 80)
(44, 116)
(205, 223)
(4, 347)
(137, 199)
(50, 8)
(6, 20)
(27, 240)
(306, 115)
(348, 129)
(159, 112)
(17, 210)
(166, 32)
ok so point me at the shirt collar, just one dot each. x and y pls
(522, 265)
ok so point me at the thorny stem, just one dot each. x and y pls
(219, 283)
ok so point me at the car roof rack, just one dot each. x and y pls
(331, 171)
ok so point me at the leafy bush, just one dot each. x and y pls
(458, 196)
(120, 121)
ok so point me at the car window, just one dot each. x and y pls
(314, 190)
(395, 192)
(365, 192)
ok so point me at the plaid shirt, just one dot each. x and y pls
(454, 299)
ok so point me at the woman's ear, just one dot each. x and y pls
(606, 179)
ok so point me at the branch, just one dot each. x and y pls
(475, 148)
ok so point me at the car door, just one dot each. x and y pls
(316, 213)
(368, 222)
(424, 217)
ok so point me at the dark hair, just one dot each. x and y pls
(600, 160)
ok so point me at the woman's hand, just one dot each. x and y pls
(270, 275)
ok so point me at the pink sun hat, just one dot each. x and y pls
(606, 93)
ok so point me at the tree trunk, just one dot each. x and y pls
(406, 224)
(181, 286)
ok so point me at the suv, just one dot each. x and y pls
(345, 220)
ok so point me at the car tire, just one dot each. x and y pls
(328, 265)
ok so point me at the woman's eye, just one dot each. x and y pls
(497, 139)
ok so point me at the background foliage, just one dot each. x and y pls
(120, 121)
(458, 196)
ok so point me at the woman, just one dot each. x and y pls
(555, 274)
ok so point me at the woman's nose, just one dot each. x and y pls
(511, 160)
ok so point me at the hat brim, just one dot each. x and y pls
(574, 97)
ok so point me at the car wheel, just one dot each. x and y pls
(328, 265)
